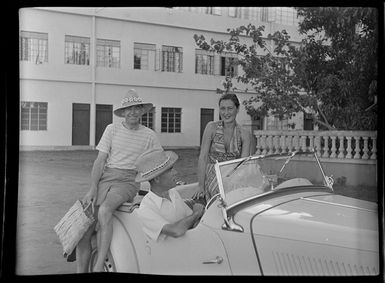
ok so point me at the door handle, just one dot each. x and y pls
(217, 260)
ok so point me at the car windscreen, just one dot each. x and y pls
(242, 182)
(245, 178)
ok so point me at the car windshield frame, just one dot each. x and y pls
(327, 181)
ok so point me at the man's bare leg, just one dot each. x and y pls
(83, 251)
(107, 208)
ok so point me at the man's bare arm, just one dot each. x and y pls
(180, 227)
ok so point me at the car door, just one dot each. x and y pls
(200, 251)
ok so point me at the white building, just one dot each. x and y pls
(76, 64)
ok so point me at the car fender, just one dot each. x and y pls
(318, 235)
(128, 242)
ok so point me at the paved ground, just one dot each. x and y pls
(50, 182)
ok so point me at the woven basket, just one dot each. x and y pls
(72, 227)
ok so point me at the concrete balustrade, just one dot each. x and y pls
(328, 144)
(348, 154)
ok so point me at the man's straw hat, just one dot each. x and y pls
(131, 99)
(154, 162)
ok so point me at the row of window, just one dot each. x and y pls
(34, 48)
(281, 15)
(34, 117)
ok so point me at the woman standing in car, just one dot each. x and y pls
(222, 140)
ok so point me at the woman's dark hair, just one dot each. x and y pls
(230, 96)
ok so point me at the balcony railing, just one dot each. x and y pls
(328, 144)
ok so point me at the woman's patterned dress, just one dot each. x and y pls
(218, 152)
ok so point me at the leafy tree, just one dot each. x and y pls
(331, 74)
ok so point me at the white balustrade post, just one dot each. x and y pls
(374, 148)
(282, 141)
(263, 144)
(258, 145)
(289, 142)
(296, 142)
(318, 145)
(275, 142)
(349, 148)
(311, 142)
(366, 149)
(333, 149)
(303, 143)
(341, 148)
(269, 140)
(357, 148)
(326, 147)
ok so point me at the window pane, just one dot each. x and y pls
(171, 120)
(172, 59)
(34, 47)
(42, 125)
(33, 115)
(147, 119)
(25, 117)
(108, 53)
(34, 124)
(77, 50)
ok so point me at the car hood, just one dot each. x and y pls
(323, 219)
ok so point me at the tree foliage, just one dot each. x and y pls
(331, 74)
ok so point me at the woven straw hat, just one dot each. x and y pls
(154, 162)
(132, 98)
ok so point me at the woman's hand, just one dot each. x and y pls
(198, 194)
(198, 209)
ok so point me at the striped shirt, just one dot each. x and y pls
(124, 146)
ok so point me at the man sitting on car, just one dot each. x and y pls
(162, 210)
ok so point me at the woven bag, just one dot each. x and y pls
(72, 227)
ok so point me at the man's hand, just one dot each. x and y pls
(90, 196)
(198, 210)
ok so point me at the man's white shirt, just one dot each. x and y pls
(154, 212)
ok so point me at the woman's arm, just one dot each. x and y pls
(203, 156)
(253, 144)
(246, 142)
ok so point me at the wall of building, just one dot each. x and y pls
(59, 96)
(62, 84)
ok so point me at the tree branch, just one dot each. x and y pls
(324, 124)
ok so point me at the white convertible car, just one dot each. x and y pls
(268, 219)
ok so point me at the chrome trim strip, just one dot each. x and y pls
(337, 204)
(247, 199)
(287, 191)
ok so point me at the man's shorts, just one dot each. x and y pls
(119, 182)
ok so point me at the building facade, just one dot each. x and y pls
(76, 64)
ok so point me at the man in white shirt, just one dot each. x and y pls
(162, 211)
